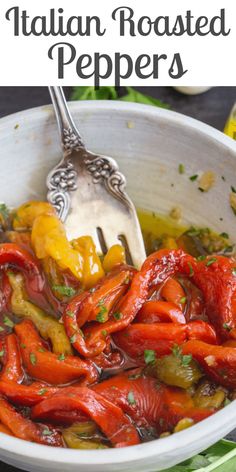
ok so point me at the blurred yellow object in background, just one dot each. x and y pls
(230, 127)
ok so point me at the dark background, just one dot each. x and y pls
(212, 107)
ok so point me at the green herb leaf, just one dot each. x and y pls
(4, 211)
(73, 338)
(2, 353)
(201, 258)
(149, 356)
(233, 189)
(227, 327)
(234, 270)
(41, 349)
(33, 358)
(47, 432)
(70, 314)
(111, 93)
(224, 235)
(201, 189)
(131, 398)
(101, 318)
(8, 322)
(183, 300)
(186, 359)
(42, 391)
(1, 329)
(191, 272)
(193, 177)
(181, 169)
(176, 350)
(64, 290)
(211, 261)
(104, 333)
(61, 357)
(117, 315)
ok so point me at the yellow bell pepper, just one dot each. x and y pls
(26, 214)
(115, 255)
(80, 436)
(48, 326)
(92, 266)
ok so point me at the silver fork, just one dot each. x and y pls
(88, 192)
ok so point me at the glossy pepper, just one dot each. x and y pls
(109, 417)
(44, 365)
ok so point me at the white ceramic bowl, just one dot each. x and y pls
(149, 144)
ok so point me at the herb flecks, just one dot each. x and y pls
(64, 290)
(131, 398)
(149, 356)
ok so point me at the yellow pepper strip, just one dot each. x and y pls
(183, 424)
(48, 238)
(28, 212)
(115, 255)
(92, 267)
(48, 327)
(79, 436)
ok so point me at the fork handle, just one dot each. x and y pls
(70, 136)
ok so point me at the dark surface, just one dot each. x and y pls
(212, 107)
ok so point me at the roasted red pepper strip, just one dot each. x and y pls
(109, 417)
(26, 395)
(24, 428)
(49, 367)
(173, 292)
(12, 254)
(218, 362)
(12, 366)
(149, 403)
(94, 305)
(5, 293)
(159, 311)
(203, 331)
(160, 337)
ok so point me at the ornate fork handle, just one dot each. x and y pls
(70, 137)
(63, 178)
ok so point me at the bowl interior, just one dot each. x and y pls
(149, 144)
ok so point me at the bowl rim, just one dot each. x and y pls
(148, 111)
(205, 428)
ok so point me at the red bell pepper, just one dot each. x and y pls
(26, 395)
(172, 291)
(24, 428)
(219, 362)
(109, 417)
(160, 337)
(44, 365)
(12, 366)
(149, 403)
(160, 311)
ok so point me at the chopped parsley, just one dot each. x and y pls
(233, 270)
(227, 327)
(191, 272)
(4, 211)
(149, 356)
(193, 177)
(2, 353)
(1, 329)
(33, 358)
(42, 391)
(201, 258)
(186, 359)
(73, 338)
(224, 235)
(8, 322)
(64, 290)
(181, 169)
(233, 189)
(176, 350)
(104, 333)
(201, 189)
(47, 432)
(61, 357)
(41, 349)
(211, 261)
(183, 300)
(131, 398)
(70, 313)
(117, 315)
(101, 316)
